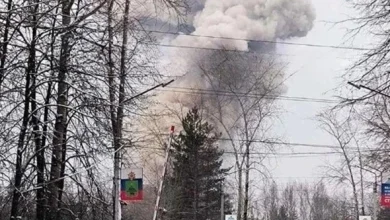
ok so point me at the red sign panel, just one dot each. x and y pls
(131, 184)
(385, 195)
(131, 190)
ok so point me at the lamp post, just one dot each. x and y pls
(117, 157)
(375, 201)
(368, 88)
(359, 86)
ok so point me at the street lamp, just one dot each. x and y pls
(368, 88)
(374, 171)
(117, 156)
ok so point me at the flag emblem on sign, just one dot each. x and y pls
(131, 185)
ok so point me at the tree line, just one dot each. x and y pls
(68, 70)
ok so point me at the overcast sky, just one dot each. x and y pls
(318, 73)
(313, 73)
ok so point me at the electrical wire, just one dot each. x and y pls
(93, 165)
(269, 142)
(187, 90)
(307, 154)
(259, 41)
(349, 150)
(211, 49)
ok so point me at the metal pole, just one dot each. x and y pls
(116, 190)
(375, 199)
(167, 153)
(222, 204)
(117, 159)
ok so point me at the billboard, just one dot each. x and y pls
(131, 184)
(385, 195)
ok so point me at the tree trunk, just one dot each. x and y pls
(112, 91)
(353, 183)
(19, 169)
(19, 154)
(39, 149)
(196, 188)
(61, 117)
(4, 44)
(246, 192)
(61, 183)
(361, 181)
(30, 94)
(118, 125)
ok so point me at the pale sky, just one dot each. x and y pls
(318, 74)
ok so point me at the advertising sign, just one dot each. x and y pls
(131, 184)
(364, 217)
(385, 195)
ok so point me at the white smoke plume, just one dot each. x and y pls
(244, 19)
(249, 19)
(240, 19)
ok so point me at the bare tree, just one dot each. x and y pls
(371, 72)
(54, 104)
(303, 201)
(241, 102)
(344, 134)
(5, 41)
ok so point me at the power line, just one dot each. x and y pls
(295, 144)
(85, 169)
(350, 150)
(296, 154)
(209, 48)
(227, 50)
(250, 95)
(264, 142)
(260, 41)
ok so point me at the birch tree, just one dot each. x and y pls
(371, 72)
(343, 133)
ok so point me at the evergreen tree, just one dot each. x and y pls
(282, 213)
(197, 173)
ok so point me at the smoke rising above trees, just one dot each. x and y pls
(234, 81)
(253, 19)
(82, 70)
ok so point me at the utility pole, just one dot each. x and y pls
(375, 192)
(117, 158)
(222, 203)
(116, 189)
(167, 154)
(375, 198)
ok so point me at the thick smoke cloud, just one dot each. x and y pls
(249, 19)
(243, 19)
